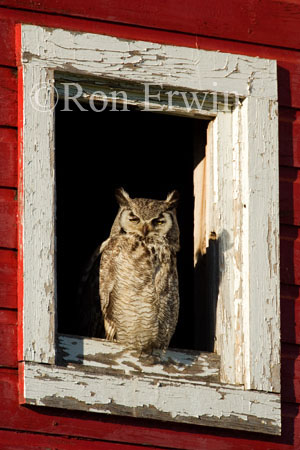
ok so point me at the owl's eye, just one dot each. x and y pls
(158, 222)
(134, 219)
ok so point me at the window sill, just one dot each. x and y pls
(108, 379)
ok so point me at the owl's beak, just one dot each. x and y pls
(145, 229)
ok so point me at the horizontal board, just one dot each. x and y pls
(7, 38)
(141, 62)
(13, 440)
(290, 313)
(8, 97)
(289, 193)
(8, 338)
(8, 218)
(174, 365)
(246, 24)
(289, 137)
(8, 157)
(8, 278)
(290, 254)
(139, 431)
(109, 392)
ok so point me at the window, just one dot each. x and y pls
(235, 228)
(140, 151)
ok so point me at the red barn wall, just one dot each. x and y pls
(256, 28)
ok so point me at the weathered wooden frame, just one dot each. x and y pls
(242, 211)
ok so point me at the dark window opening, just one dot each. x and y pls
(147, 153)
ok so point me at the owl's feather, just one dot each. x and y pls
(90, 318)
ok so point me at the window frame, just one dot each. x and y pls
(242, 197)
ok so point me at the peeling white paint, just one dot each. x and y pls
(172, 364)
(171, 65)
(190, 402)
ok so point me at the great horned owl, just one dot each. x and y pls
(138, 273)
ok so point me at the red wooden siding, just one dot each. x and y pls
(8, 338)
(8, 157)
(8, 217)
(289, 137)
(8, 97)
(232, 26)
(256, 21)
(8, 279)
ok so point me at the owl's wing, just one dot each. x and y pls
(89, 312)
(107, 281)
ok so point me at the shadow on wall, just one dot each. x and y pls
(289, 158)
(207, 279)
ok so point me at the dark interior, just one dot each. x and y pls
(147, 153)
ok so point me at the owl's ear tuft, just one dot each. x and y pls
(172, 199)
(122, 197)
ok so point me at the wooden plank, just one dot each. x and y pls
(8, 157)
(8, 338)
(290, 313)
(289, 137)
(37, 219)
(146, 62)
(8, 97)
(93, 89)
(174, 365)
(8, 279)
(246, 24)
(260, 243)
(209, 404)
(7, 42)
(289, 196)
(8, 218)
(224, 192)
(140, 431)
(290, 254)
(14, 440)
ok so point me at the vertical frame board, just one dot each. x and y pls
(262, 219)
(241, 209)
(37, 219)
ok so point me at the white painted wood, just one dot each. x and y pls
(260, 195)
(38, 221)
(173, 364)
(150, 62)
(138, 396)
(223, 216)
(200, 195)
(241, 209)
